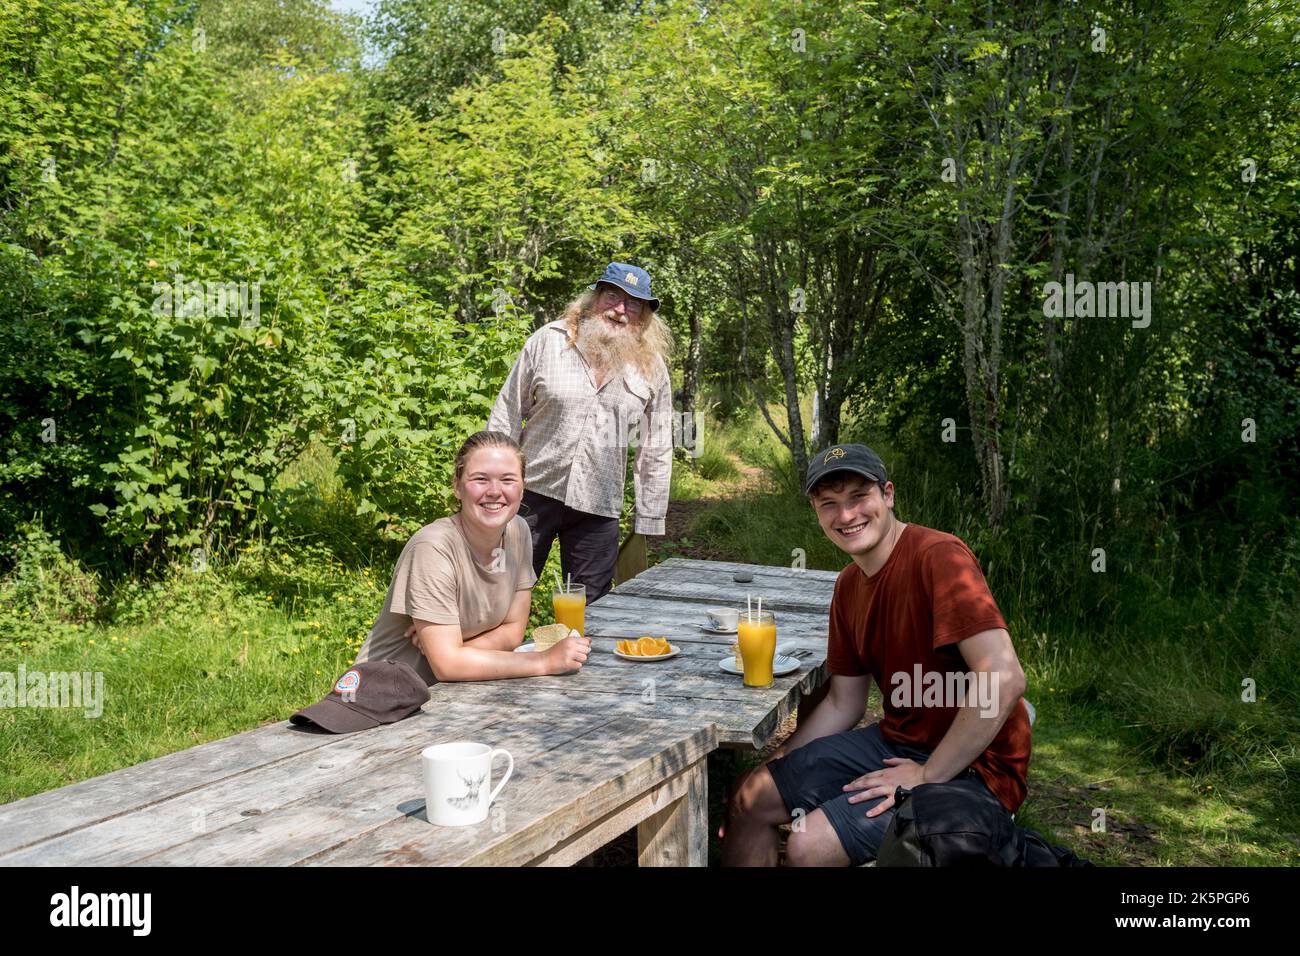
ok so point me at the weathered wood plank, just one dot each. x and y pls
(355, 805)
(792, 595)
(175, 819)
(582, 844)
(678, 835)
(748, 718)
(740, 723)
(729, 568)
(694, 673)
(692, 611)
(559, 795)
(724, 583)
(81, 804)
(622, 616)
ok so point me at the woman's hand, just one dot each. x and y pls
(567, 655)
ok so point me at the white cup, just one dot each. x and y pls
(723, 618)
(456, 781)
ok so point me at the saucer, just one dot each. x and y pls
(780, 666)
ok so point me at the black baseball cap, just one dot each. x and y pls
(858, 459)
(367, 695)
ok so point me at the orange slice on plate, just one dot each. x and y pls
(654, 646)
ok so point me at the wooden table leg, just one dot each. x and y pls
(678, 834)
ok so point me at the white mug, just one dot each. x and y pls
(723, 618)
(456, 781)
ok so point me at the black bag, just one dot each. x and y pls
(961, 823)
(1038, 852)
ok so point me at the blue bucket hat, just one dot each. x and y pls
(633, 280)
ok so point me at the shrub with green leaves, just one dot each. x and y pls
(171, 233)
(44, 590)
(409, 382)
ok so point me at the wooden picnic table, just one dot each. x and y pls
(620, 744)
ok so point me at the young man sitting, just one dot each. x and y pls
(914, 612)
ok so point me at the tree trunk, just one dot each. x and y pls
(789, 372)
(691, 367)
(690, 391)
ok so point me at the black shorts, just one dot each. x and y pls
(813, 778)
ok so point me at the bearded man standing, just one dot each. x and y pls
(583, 389)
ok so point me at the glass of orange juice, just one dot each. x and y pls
(756, 635)
(570, 606)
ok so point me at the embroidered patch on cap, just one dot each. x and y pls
(630, 278)
(833, 453)
(348, 682)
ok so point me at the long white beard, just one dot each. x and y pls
(608, 349)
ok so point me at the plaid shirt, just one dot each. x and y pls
(576, 436)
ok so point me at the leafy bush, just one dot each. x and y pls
(44, 590)
(408, 384)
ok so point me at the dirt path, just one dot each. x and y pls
(682, 513)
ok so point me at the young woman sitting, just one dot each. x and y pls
(457, 606)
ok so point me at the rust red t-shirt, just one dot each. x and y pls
(929, 595)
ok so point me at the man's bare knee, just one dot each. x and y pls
(814, 842)
(758, 799)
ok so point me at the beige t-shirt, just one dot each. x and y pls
(438, 579)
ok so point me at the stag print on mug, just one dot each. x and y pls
(457, 777)
(470, 796)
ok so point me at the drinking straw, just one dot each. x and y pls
(569, 588)
(760, 607)
(558, 583)
(749, 609)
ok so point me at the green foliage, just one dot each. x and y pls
(714, 464)
(432, 48)
(410, 383)
(500, 203)
(184, 188)
(43, 591)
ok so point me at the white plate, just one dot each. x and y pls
(526, 648)
(713, 630)
(780, 665)
(674, 650)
